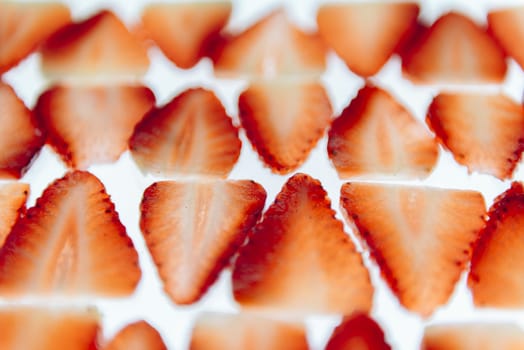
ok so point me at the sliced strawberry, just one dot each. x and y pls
(215, 331)
(12, 204)
(47, 329)
(454, 50)
(185, 31)
(192, 134)
(23, 26)
(271, 47)
(481, 336)
(360, 332)
(484, 132)
(20, 136)
(299, 259)
(71, 242)
(497, 257)
(193, 228)
(137, 336)
(88, 125)
(284, 120)
(364, 34)
(420, 237)
(375, 135)
(97, 47)
(507, 26)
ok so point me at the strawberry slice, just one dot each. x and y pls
(299, 233)
(12, 204)
(507, 26)
(70, 243)
(48, 329)
(216, 331)
(375, 135)
(420, 237)
(192, 229)
(185, 31)
(497, 256)
(139, 335)
(358, 331)
(284, 120)
(364, 34)
(484, 132)
(21, 138)
(96, 48)
(271, 47)
(23, 26)
(482, 336)
(192, 134)
(89, 125)
(454, 50)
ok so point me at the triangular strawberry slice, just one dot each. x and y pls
(191, 135)
(216, 331)
(48, 329)
(377, 136)
(364, 34)
(483, 131)
(485, 336)
(70, 243)
(358, 331)
(299, 259)
(455, 50)
(12, 203)
(272, 47)
(497, 258)
(284, 119)
(507, 26)
(96, 48)
(139, 335)
(89, 125)
(420, 237)
(185, 31)
(192, 229)
(23, 26)
(20, 136)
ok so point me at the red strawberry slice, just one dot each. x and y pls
(454, 50)
(484, 132)
(48, 329)
(299, 259)
(420, 237)
(185, 31)
(192, 134)
(364, 34)
(481, 336)
(507, 26)
(497, 257)
(271, 47)
(70, 243)
(192, 229)
(89, 125)
(284, 120)
(137, 336)
(98, 47)
(215, 331)
(377, 136)
(12, 204)
(21, 138)
(23, 26)
(360, 332)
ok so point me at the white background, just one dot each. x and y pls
(125, 183)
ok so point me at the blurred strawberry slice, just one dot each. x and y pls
(137, 336)
(12, 204)
(507, 26)
(357, 332)
(193, 229)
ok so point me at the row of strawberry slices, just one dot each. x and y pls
(454, 49)
(71, 242)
